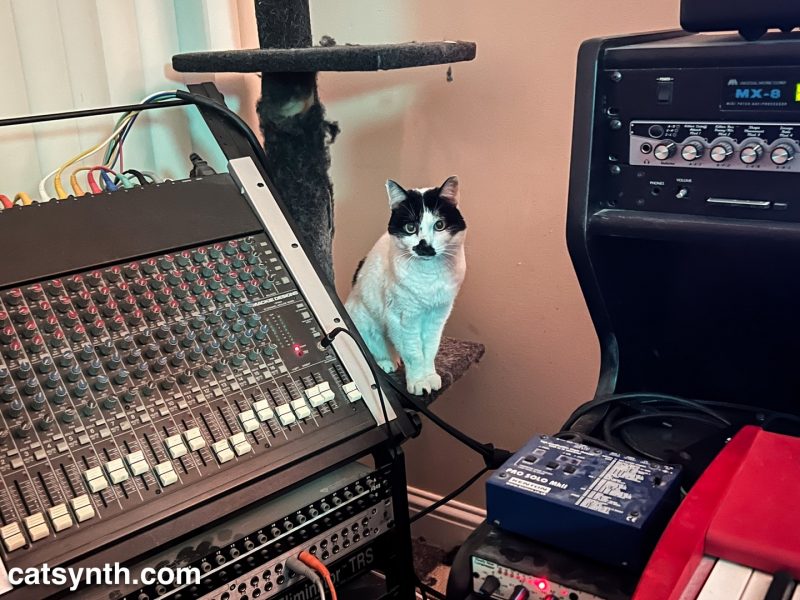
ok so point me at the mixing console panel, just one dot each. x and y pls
(122, 387)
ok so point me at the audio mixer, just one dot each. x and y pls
(159, 349)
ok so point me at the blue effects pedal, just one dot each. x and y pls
(595, 503)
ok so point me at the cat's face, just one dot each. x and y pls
(426, 223)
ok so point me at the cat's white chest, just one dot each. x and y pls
(426, 285)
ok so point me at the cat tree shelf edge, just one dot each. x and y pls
(378, 57)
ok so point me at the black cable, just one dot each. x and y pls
(492, 457)
(642, 397)
(231, 116)
(445, 499)
(327, 340)
(138, 174)
(425, 590)
(582, 438)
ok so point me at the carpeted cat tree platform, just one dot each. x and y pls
(296, 133)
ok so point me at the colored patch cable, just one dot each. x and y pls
(313, 562)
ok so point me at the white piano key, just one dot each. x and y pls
(757, 586)
(726, 581)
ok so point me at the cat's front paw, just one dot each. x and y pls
(426, 384)
(387, 366)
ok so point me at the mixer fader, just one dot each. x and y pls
(123, 387)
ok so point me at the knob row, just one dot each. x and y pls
(722, 151)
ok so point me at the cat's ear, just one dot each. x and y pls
(395, 192)
(449, 190)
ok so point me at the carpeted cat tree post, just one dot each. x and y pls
(296, 133)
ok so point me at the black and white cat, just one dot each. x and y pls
(403, 291)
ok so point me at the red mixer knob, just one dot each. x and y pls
(28, 330)
(135, 317)
(37, 344)
(50, 324)
(94, 278)
(42, 309)
(75, 283)
(116, 323)
(14, 297)
(63, 304)
(35, 292)
(149, 266)
(57, 339)
(6, 334)
(3, 318)
(23, 314)
(171, 308)
(153, 313)
(131, 271)
(83, 299)
(147, 299)
(114, 274)
(55, 288)
(90, 314)
(109, 309)
(102, 295)
(14, 349)
(69, 319)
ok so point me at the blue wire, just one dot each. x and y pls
(109, 185)
(124, 133)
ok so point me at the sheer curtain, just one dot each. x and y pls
(69, 54)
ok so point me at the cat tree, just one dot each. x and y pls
(297, 135)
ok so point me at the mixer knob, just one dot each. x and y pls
(183, 259)
(149, 266)
(101, 383)
(131, 271)
(45, 423)
(782, 154)
(22, 316)
(121, 377)
(62, 304)
(171, 345)
(6, 334)
(223, 267)
(135, 317)
(102, 295)
(36, 345)
(52, 381)
(89, 408)
(14, 297)
(195, 352)
(174, 278)
(109, 309)
(75, 283)
(168, 383)
(110, 403)
(221, 331)
(178, 358)
(122, 291)
(181, 290)
(82, 299)
(94, 278)
(74, 373)
(140, 371)
(96, 327)
(41, 309)
(80, 389)
(185, 377)
(15, 408)
(114, 274)
(203, 371)
(751, 153)
(188, 305)
(220, 366)
(134, 357)
(237, 360)
(50, 324)
(127, 304)
(24, 370)
(68, 416)
(721, 152)
(229, 343)
(38, 402)
(128, 396)
(3, 319)
(162, 332)
(147, 299)
(114, 363)
(60, 395)
(94, 367)
(4, 375)
(14, 349)
(126, 342)
(151, 351)
(3, 437)
(206, 334)
(28, 330)
(246, 338)
(230, 314)
(22, 431)
(159, 364)
(165, 264)
(7, 393)
(57, 340)
(238, 326)
(692, 151)
(212, 348)
(252, 356)
(55, 288)
(205, 299)
(230, 249)
(189, 339)
(270, 349)
(262, 332)
(77, 334)
(30, 387)
(106, 348)
(149, 389)
(171, 308)
(199, 256)
(46, 365)
(157, 282)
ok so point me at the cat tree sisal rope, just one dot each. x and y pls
(296, 133)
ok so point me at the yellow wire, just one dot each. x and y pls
(73, 181)
(59, 187)
(24, 198)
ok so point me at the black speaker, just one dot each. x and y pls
(751, 19)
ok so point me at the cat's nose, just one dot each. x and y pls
(424, 249)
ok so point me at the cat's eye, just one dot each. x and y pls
(410, 228)
(439, 225)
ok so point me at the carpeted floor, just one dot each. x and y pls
(432, 564)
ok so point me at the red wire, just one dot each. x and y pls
(96, 189)
(313, 562)
(5, 201)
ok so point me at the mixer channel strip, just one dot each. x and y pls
(122, 384)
